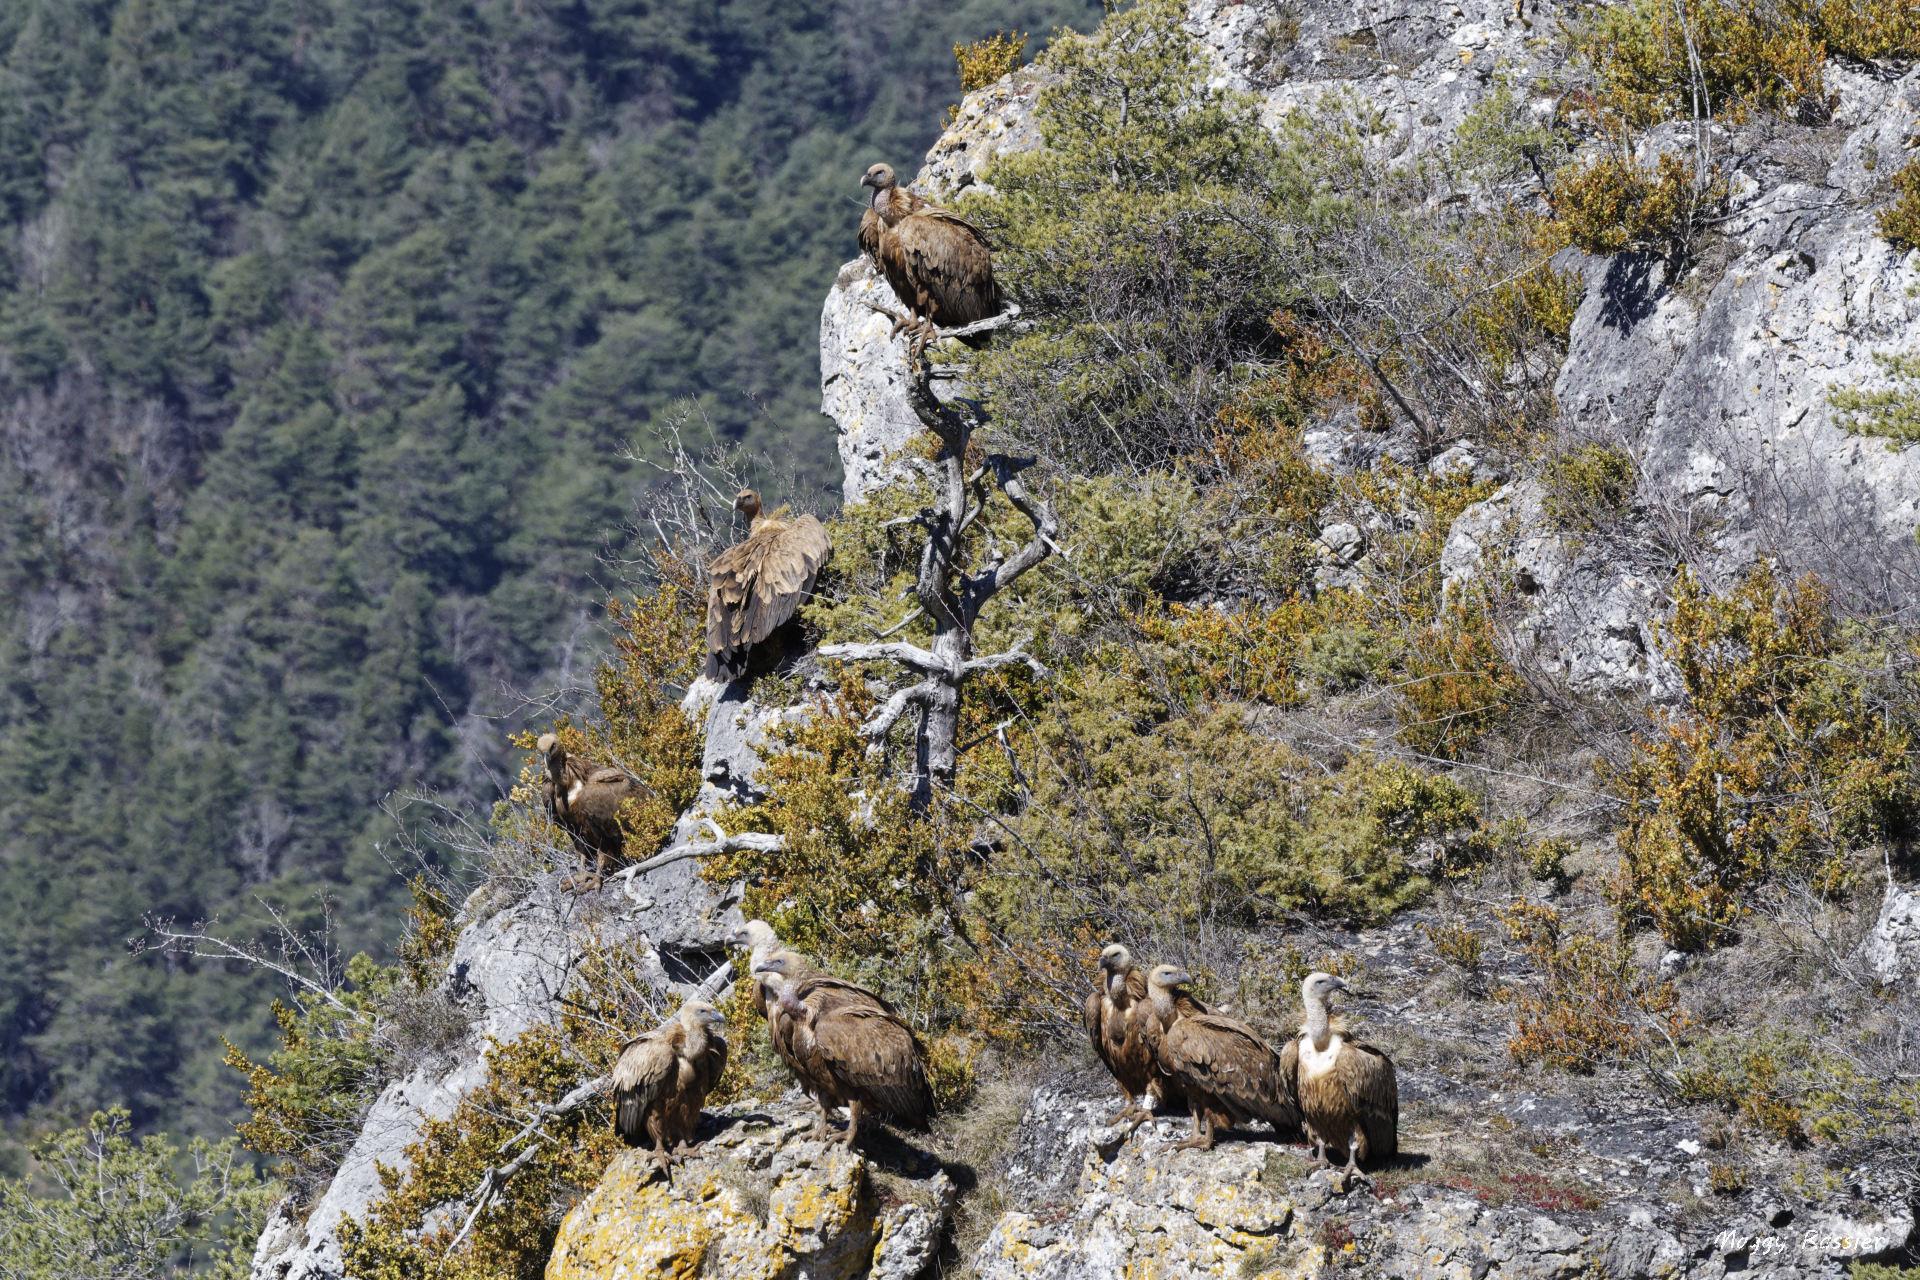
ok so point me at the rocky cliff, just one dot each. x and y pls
(1718, 386)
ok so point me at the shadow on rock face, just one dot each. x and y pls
(1629, 289)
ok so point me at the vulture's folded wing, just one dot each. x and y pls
(642, 1074)
(875, 1057)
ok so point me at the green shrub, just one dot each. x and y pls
(1900, 220)
(1894, 412)
(1751, 53)
(105, 1205)
(1126, 237)
(1793, 750)
(984, 61)
(1589, 487)
(1588, 1007)
(1458, 684)
(1613, 205)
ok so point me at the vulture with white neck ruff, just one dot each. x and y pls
(1349, 1096)
(585, 799)
(1230, 1074)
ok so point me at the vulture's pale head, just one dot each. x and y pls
(781, 964)
(747, 503)
(546, 744)
(1316, 987)
(879, 177)
(1169, 977)
(757, 936)
(698, 1013)
(1115, 958)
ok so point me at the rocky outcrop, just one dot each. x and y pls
(509, 969)
(761, 1198)
(1720, 389)
(1891, 951)
(1085, 1209)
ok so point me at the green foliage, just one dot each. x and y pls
(1614, 204)
(984, 61)
(1751, 53)
(1589, 487)
(1588, 1005)
(1120, 237)
(1459, 684)
(325, 330)
(305, 1102)
(1793, 751)
(1893, 412)
(99, 1205)
(1900, 219)
(1798, 1091)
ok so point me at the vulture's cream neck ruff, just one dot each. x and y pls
(1315, 1063)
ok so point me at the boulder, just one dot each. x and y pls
(760, 1198)
(1891, 951)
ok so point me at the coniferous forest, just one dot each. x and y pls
(334, 339)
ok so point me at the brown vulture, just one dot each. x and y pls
(585, 800)
(660, 1079)
(756, 585)
(1230, 1074)
(1123, 1027)
(1349, 1096)
(938, 263)
(760, 941)
(847, 1047)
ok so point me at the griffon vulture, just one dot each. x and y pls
(585, 800)
(847, 1047)
(760, 941)
(1349, 1097)
(939, 264)
(1123, 1027)
(660, 1079)
(756, 585)
(1230, 1074)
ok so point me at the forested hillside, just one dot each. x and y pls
(326, 330)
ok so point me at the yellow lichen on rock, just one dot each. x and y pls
(759, 1200)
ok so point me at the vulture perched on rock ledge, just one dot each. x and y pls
(938, 263)
(1230, 1074)
(846, 1045)
(660, 1079)
(1349, 1095)
(1120, 1022)
(755, 586)
(584, 799)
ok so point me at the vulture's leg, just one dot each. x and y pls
(1202, 1139)
(656, 1129)
(853, 1122)
(822, 1129)
(1132, 1111)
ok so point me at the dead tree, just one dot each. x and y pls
(948, 594)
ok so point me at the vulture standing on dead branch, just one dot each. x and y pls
(1349, 1095)
(1230, 1074)
(938, 263)
(585, 800)
(756, 585)
(1121, 1022)
(660, 1079)
(846, 1045)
